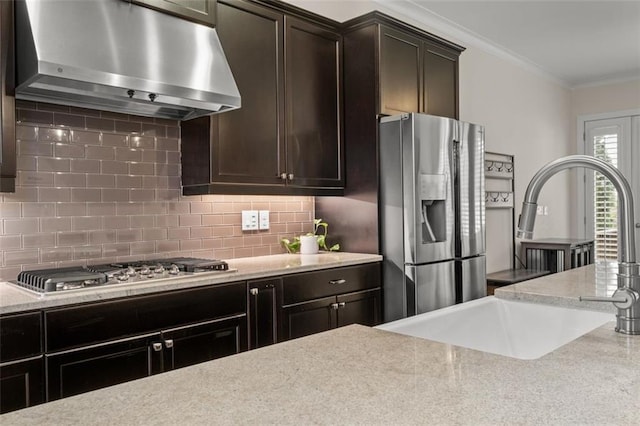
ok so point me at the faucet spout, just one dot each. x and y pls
(628, 318)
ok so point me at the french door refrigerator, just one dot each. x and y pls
(432, 213)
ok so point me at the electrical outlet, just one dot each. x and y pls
(546, 210)
(249, 220)
(263, 219)
(539, 210)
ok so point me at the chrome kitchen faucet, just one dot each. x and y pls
(627, 297)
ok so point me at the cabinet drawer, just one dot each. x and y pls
(100, 322)
(312, 285)
(20, 336)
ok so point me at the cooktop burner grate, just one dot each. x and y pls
(76, 277)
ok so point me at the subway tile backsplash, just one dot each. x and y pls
(96, 186)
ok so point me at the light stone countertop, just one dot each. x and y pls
(360, 375)
(16, 299)
(563, 289)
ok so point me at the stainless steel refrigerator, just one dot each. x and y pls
(432, 213)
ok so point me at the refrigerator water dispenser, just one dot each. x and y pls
(433, 196)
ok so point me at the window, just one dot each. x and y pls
(605, 200)
(609, 140)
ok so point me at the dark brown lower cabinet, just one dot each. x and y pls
(94, 345)
(263, 312)
(86, 369)
(324, 314)
(202, 342)
(21, 384)
(21, 361)
(308, 318)
(83, 370)
(362, 307)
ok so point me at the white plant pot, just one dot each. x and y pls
(308, 244)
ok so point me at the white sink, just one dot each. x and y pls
(504, 327)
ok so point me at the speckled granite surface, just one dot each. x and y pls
(359, 375)
(563, 289)
(16, 299)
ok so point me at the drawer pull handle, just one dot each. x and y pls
(342, 304)
(168, 343)
(337, 282)
(254, 291)
(157, 347)
(334, 306)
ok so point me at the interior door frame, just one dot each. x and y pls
(580, 174)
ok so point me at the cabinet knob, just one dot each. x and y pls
(337, 282)
(157, 347)
(290, 176)
(168, 343)
(342, 304)
(283, 176)
(253, 291)
(334, 306)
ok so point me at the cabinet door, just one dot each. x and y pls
(400, 72)
(362, 307)
(262, 315)
(203, 342)
(7, 100)
(308, 318)
(440, 73)
(313, 90)
(201, 11)
(83, 370)
(247, 143)
(21, 384)
(20, 336)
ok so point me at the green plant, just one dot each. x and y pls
(318, 226)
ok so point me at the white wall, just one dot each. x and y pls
(601, 99)
(605, 98)
(525, 113)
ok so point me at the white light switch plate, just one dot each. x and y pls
(249, 220)
(263, 219)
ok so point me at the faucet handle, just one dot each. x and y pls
(623, 298)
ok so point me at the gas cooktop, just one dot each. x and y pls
(140, 271)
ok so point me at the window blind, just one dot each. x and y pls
(605, 147)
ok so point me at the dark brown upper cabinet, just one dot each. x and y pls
(200, 11)
(416, 74)
(287, 136)
(7, 100)
(400, 72)
(390, 68)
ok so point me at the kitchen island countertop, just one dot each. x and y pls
(357, 374)
(16, 299)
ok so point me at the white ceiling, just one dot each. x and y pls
(577, 42)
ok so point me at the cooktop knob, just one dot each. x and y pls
(145, 270)
(174, 270)
(122, 277)
(159, 269)
(130, 271)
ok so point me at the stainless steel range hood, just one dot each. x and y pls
(116, 56)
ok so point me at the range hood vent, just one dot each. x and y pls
(116, 56)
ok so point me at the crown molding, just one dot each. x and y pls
(431, 21)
